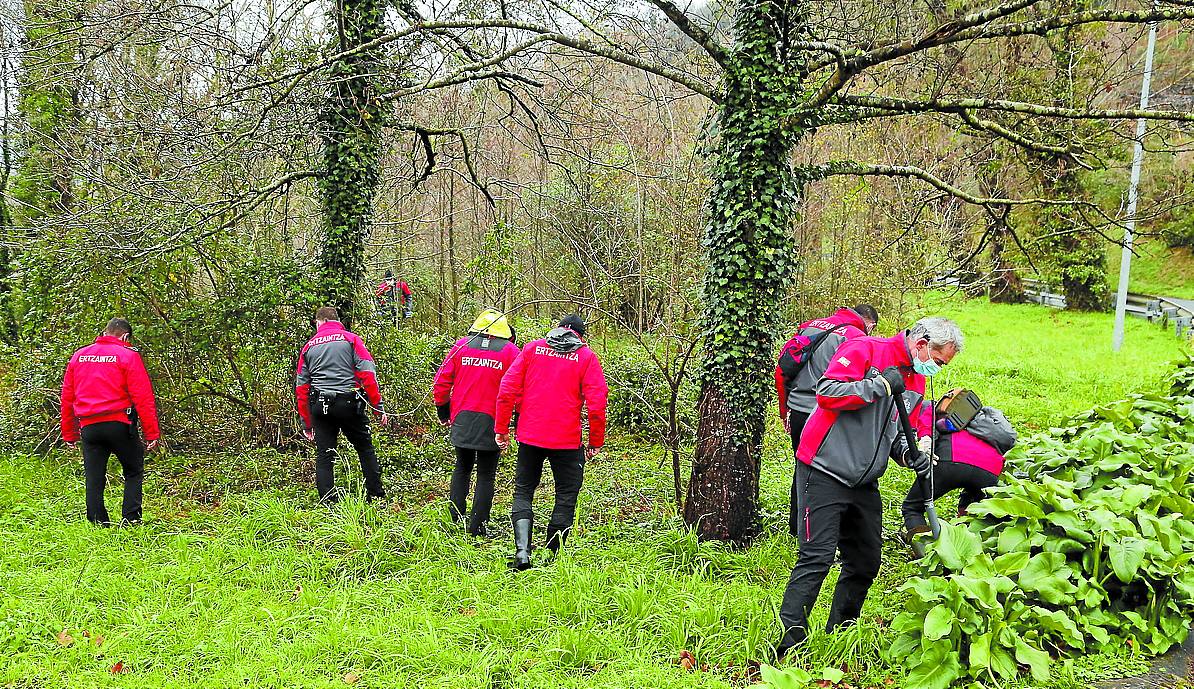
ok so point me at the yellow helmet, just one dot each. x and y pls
(492, 322)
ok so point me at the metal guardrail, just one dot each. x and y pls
(1155, 309)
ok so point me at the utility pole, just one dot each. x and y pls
(1125, 263)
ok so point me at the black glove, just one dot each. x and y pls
(920, 462)
(895, 379)
(443, 411)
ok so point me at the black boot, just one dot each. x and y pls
(476, 527)
(522, 545)
(555, 538)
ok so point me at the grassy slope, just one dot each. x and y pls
(1156, 269)
(264, 588)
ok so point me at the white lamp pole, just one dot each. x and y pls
(1125, 263)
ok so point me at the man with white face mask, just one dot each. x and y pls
(843, 451)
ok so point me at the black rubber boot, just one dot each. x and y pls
(476, 528)
(555, 538)
(522, 545)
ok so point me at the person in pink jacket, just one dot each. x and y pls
(465, 392)
(104, 392)
(548, 384)
(968, 458)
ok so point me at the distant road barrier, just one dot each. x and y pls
(1163, 310)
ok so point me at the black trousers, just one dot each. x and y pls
(796, 421)
(486, 463)
(349, 418)
(100, 441)
(947, 476)
(568, 469)
(832, 517)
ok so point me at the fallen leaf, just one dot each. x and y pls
(889, 681)
(298, 591)
(351, 678)
(119, 668)
(98, 639)
(468, 612)
(65, 639)
(687, 661)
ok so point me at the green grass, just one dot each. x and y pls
(1156, 269)
(1041, 365)
(239, 579)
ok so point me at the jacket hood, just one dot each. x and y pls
(993, 428)
(850, 317)
(564, 340)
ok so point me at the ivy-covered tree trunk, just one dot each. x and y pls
(351, 134)
(750, 260)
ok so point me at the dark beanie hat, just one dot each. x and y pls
(574, 323)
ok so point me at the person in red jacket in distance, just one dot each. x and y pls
(547, 385)
(105, 390)
(465, 393)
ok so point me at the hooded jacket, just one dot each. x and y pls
(334, 361)
(103, 382)
(982, 443)
(547, 385)
(796, 383)
(855, 428)
(466, 388)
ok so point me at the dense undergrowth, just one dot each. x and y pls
(240, 578)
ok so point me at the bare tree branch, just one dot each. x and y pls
(958, 105)
(696, 33)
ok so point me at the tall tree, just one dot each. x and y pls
(750, 259)
(351, 126)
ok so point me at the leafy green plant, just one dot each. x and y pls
(1085, 545)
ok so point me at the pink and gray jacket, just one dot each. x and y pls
(548, 384)
(796, 382)
(466, 388)
(333, 362)
(855, 428)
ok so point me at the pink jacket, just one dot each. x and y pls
(103, 381)
(547, 388)
(966, 448)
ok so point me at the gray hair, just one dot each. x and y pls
(939, 332)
